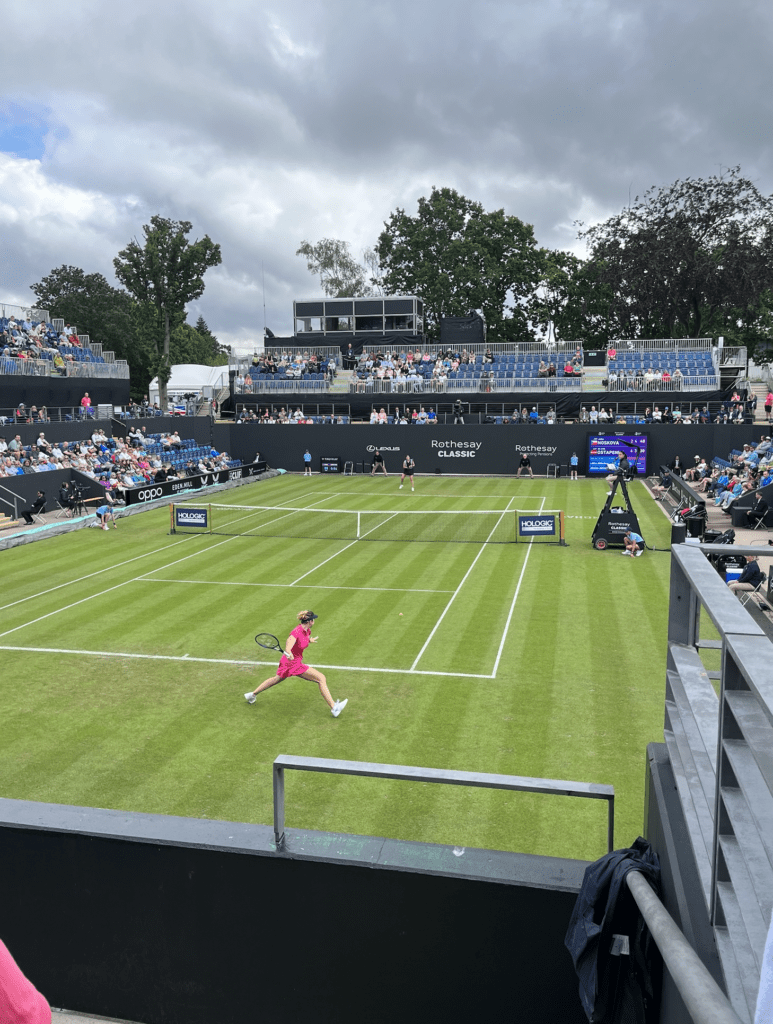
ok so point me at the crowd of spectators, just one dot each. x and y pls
(645, 380)
(115, 463)
(724, 481)
(25, 339)
(284, 366)
(414, 366)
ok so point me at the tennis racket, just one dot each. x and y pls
(269, 641)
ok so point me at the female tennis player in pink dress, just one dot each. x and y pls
(291, 664)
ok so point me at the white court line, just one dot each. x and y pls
(212, 546)
(88, 576)
(91, 597)
(314, 586)
(340, 552)
(512, 605)
(117, 565)
(456, 593)
(430, 494)
(232, 661)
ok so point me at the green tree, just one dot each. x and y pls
(457, 257)
(686, 258)
(339, 273)
(166, 273)
(570, 303)
(89, 302)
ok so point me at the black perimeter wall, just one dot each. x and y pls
(470, 450)
(179, 921)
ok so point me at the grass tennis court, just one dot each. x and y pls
(126, 656)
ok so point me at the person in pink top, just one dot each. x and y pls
(20, 1001)
(291, 664)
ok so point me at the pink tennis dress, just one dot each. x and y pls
(296, 666)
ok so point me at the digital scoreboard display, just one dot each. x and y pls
(603, 450)
(329, 464)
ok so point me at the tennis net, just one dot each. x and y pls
(475, 527)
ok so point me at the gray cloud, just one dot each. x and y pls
(267, 125)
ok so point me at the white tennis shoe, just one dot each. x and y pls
(250, 697)
(338, 707)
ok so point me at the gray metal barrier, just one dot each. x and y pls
(481, 780)
(703, 998)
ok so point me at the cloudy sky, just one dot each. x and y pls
(265, 124)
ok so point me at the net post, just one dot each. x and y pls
(358, 526)
(209, 516)
(562, 539)
(171, 517)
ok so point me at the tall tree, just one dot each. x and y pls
(339, 273)
(570, 303)
(215, 353)
(682, 257)
(89, 302)
(458, 258)
(166, 273)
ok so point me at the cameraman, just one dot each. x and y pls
(66, 497)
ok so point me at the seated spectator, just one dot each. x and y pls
(422, 417)
(431, 416)
(659, 491)
(698, 471)
(757, 512)
(543, 369)
(382, 417)
(750, 578)
(708, 481)
(38, 507)
(733, 490)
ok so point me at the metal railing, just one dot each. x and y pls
(485, 385)
(696, 382)
(296, 384)
(9, 365)
(8, 309)
(480, 780)
(721, 753)
(660, 344)
(14, 504)
(704, 1000)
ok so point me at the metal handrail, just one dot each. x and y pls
(13, 503)
(704, 1000)
(448, 777)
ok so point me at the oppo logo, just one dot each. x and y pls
(149, 493)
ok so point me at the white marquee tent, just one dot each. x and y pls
(191, 379)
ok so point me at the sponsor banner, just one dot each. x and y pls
(151, 492)
(537, 526)
(191, 517)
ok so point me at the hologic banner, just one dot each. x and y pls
(191, 517)
(537, 526)
(150, 492)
